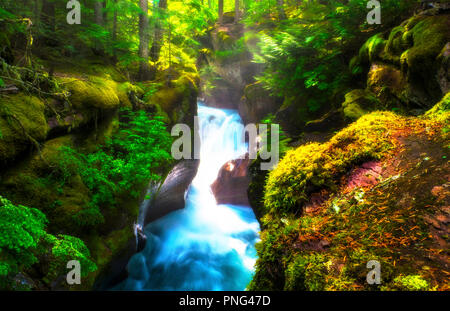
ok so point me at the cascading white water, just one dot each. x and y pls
(205, 246)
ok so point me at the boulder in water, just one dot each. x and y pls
(232, 182)
(171, 195)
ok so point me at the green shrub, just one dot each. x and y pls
(66, 248)
(21, 229)
(24, 241)
(122, 165)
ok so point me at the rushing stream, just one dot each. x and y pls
(204, 246)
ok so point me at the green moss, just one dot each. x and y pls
(22, 120)
(105, 249)
(440, 111)
(411, 283)
(315, 166)
(94, 93)
(43, 183)
(307, 272)
(396, 43)
(124, 90)
(174, 101)
(358, 103)
(372, 48)
(429, 36)
(388, 84)
(415, 46)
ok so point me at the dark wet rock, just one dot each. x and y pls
(331, 120)
(444, 70)
(116, 271)
(232, 182)
(172, 193)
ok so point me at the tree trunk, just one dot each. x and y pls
(220, 11)
(105, 13)
(98, 17)
(280, 7)
(144, 36)
(157, 40)
(237, 12)
(48, 22)
(114, 30)
(36, 13)
(98, 8)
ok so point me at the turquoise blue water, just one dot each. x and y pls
(205, 246)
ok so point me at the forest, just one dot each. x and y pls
(91, 90)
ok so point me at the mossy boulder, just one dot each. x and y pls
(315, 166)
(440, 111)
(177, 101)
(92, 93)
(37, 182)
(228, 17)
(369, 52)
(127, 94)
(22, 124)
(388, 84)
(358, 103)
(101, 93)
(320, 230)
(444, 70)
(372, 49)
(415, 46)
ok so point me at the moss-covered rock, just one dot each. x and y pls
(126, 92)
(444, 70)
(314, 166)
(320, 230)
(372, 49)
(39, 182)
(22, 124)
(415, 46)
(440, 111)
(178, 100)
(93, 93)
(388, 84)
(358, 103)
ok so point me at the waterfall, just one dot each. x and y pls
(204, 246)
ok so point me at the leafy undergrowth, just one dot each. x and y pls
(378, 190)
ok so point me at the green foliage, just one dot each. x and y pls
(66, 248)
(21, 229)
(122, 165)
(24, 240)
(306, 56)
